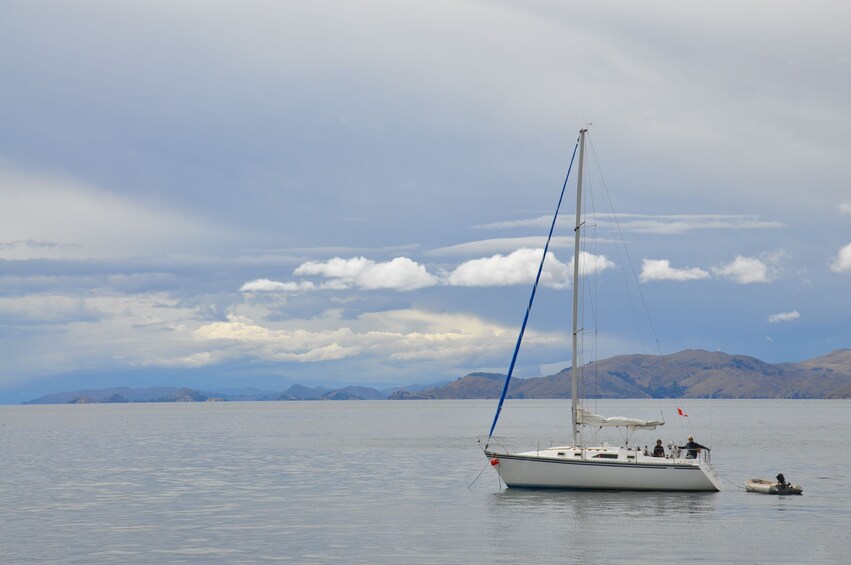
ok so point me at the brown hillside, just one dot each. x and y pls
(598, 383)
(843, 391)
(839, 360)
(688, 374)
(475, 385)
(827, 376)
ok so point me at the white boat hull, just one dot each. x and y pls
(544, 470)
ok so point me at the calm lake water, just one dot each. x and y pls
(387, 482)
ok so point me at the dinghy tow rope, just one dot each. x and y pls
(724, 477)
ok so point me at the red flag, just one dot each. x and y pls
(681, 413)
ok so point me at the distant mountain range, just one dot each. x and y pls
(175, 394)
(688, 374)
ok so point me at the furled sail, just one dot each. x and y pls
(591, 419)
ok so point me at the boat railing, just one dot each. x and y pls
(496, 444)
(505, 445)
(704, 455)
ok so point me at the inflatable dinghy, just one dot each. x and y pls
(768, 487)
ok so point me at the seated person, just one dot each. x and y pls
(658, 451)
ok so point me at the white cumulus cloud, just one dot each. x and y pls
(661, 270)
(842, 262)
(744, 270)
(784, 317)
(590, 263)
(404, 274)
(400, 273)
(521, 267)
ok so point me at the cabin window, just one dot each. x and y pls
(606, 456)
(560, 454)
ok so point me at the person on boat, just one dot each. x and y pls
(659, 450)
(781, 481)
(692, 448)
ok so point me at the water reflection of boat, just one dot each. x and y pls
(597, 507)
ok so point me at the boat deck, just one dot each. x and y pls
(604, 454)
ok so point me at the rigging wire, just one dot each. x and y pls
(622, 250)
(632, 271)
(589, 289)
(593, 272)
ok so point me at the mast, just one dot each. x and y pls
(574, 381)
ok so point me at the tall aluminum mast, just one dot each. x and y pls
(574, 377)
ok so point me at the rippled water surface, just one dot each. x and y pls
(387, 482)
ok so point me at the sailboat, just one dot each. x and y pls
(594, 467)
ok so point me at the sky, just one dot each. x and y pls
(259, 193)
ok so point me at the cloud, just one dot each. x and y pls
(783, 317)
(659, 224)
(845, 208)
(266, 285)
(404, 274)
(539, 222)
(47, 309)
(397, 335)
(521, 267)
(661, 270)
(399, 274)
(280, 345)
(193, 360)
(842, 262)
(677, 224)
(503, 245)
(590, 263)
(35, 245)
(45, 216)
(96, 330)
(744, 270)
